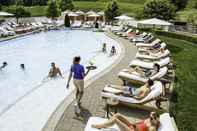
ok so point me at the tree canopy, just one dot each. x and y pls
(161, 9)
(52, 9)
(111, 11)
(66, 5)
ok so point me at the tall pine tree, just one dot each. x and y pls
(52, 10)
(66, 5)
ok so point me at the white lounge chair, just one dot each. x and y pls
(149, 64)
(131, 77)
(148, 44)
(166, 124)
(145, 49)
(153, 56)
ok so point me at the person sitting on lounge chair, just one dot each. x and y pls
(137, 93)
(54, 71)
(150, 124)
(3, 65)
(140, 72)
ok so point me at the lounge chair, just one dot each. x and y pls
(131, 77)
(148, 44)
(149, 64)
(124, 33)
(145, 49)
(76, 24)
(153, 56)
(166, 124)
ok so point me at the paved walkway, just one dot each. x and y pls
(91, 102)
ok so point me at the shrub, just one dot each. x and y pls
(67, 21)
(66, 5)
(161, 9)
(52, 10)
(111, 11)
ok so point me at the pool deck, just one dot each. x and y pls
(91, 102)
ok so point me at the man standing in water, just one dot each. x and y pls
(78, 79)
(54, 71)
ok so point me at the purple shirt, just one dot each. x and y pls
(78, 71)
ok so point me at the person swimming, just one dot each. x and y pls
(54, 71)
(22, 66)
(104, 48)
(4, 64)
(113, 51)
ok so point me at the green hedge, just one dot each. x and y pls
(177, 36)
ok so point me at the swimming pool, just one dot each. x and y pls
(37, 51)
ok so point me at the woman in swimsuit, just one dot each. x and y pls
(149, 124)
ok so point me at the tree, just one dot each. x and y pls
(180, 4)
(66, 5)
(67, 21)
(52, 9)
(20, 11)
(111, 11)
(161, 9)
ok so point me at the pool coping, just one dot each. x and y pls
(57, 114)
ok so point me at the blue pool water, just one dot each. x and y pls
(37, 51)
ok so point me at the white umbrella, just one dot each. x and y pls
(94, 15)
(90, 12)
(67, 11)
(79, 12)
(155, 21)
(72, 14)
(5, 14)
(124, 17)
(101, 13)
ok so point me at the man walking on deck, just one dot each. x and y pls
(78, 72)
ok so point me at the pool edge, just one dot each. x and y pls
(57, 114)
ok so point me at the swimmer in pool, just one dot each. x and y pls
(22, 66)
(4, 64)
(54, 71)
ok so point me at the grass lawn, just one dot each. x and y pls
(126, 6)
(184, 55)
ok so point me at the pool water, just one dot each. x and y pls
(37, 51)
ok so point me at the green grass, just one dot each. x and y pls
(35, 10)
(184, 55)
(125, 7)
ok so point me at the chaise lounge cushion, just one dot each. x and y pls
(165, 124)
(128, 76)
(149, 65)
(156, 90)
(158, 55)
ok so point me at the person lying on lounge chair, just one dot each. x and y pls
(137, 93)
(150, 124)
(54, 71)
(144, 73)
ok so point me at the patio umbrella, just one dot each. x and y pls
(80, 12)
(73, 14)
(90, 12)
(67, 11)
(6, 14)
(155, 21)
(124, 18)
(101, 13)
(94, 15)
